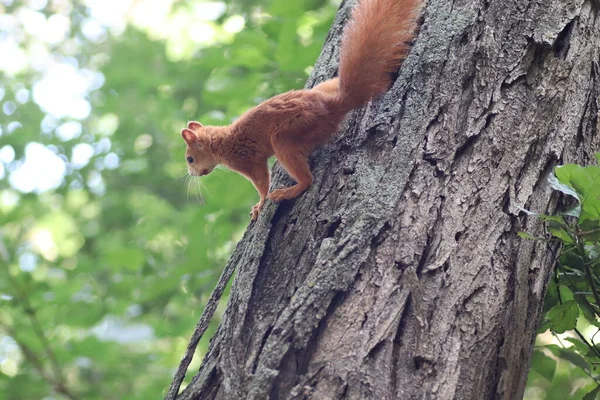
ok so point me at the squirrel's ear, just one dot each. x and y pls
(188, 136)
(194, 125)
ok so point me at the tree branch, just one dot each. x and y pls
(199, 331)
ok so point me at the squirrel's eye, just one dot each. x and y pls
(190, 159)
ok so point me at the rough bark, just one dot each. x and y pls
(399, 274)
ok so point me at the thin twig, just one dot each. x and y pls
(584, 340)
(593, 336)
(585, 233)
(199, 331)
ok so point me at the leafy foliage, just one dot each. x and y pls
(106, 255)
(572, 303)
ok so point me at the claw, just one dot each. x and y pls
(255, 210)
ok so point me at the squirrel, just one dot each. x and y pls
(291, 125)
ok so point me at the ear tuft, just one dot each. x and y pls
(194, 125)
(188, 136)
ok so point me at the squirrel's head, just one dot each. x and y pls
(198, 155)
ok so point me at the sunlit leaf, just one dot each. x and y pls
(578, 345)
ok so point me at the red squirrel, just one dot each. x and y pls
(291, 125)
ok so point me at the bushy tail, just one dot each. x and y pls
(374, 45)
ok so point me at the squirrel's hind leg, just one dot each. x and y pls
(296, 164)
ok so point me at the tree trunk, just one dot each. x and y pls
(399, 274)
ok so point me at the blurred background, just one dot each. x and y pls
(108, 252)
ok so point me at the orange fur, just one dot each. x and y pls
(291, 125)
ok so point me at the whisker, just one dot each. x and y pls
(182, 176)
(189, 181)
(198, 191)
(218, 172)
(205, 186)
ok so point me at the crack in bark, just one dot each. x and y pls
(563, 40)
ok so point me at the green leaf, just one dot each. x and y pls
(593, 395)
(587, 309)
(566, 294)
(543, 365)
(561, 233)
(578, 345)
(556, 184)
(553, 218)
(544, 326)
(554, 349)
(574, 358)
(598, 157)
(585, 181)
(564, 317)
(571, 259)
